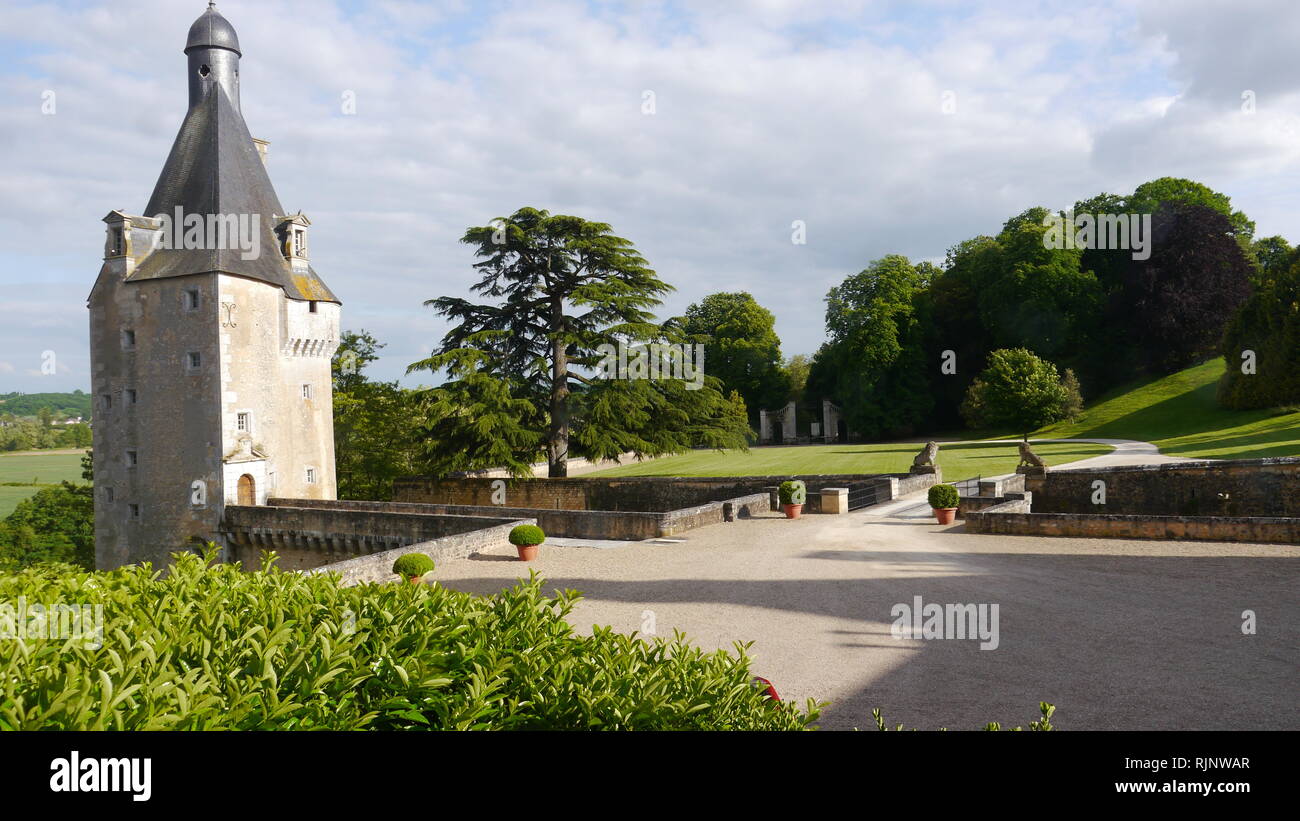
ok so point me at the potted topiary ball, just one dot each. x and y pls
(413, 566)
(793, 494)
(944, 501)
(526, 538)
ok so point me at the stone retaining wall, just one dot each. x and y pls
(573, 524)
(1012, 519)
(1228, 488)
(643, 494)
(1152, 502)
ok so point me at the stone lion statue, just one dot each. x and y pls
(926, 456)
(1028, 457)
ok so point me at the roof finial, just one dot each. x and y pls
(212, 5)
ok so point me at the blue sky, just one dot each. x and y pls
(766, 112)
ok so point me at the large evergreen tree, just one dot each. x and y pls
(521, 365)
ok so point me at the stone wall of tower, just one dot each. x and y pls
(272, 346)
(173, 425)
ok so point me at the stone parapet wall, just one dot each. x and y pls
(378, 567)
(307, 533)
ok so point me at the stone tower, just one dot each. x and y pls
(210, 336)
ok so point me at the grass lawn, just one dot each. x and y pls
(959, 461)
(1178, 413)
(32, 469)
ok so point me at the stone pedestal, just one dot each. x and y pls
(774, 496)
(835, 500)
(918, 469)
(1035, 477)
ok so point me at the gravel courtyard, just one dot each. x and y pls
(1117, 634)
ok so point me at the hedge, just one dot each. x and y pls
(208, 646)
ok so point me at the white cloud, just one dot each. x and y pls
(767, 112)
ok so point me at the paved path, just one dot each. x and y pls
(1117, 634)
(1126, 452)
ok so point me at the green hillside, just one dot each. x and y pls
(30, 404)
(1178, 413)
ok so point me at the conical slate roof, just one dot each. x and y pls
(214, 168)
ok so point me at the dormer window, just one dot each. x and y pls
(292, 234)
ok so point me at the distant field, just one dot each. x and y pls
(959, 461)
(1179, 415)
(34, 468)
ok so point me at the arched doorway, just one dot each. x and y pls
(247, 488)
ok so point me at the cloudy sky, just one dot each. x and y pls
(885, 127)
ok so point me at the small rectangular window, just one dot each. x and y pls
(117, 243)
(135, 511)
(108, 494)
(190, 299)
(106, 401)
(193, 360)
(306, 392)
(311, 306)
(242, 422)
(311, 476)
(132, 458)
(130, 396)
(128, 340)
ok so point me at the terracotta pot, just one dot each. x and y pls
(944, 515)
(527, 552)
(792, 511)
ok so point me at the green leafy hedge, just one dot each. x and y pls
(209, 646)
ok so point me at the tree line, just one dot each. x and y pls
(1011, 331)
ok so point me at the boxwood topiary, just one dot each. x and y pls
(943, 496)
(527, 534)
(793, 492)
(412, 564)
